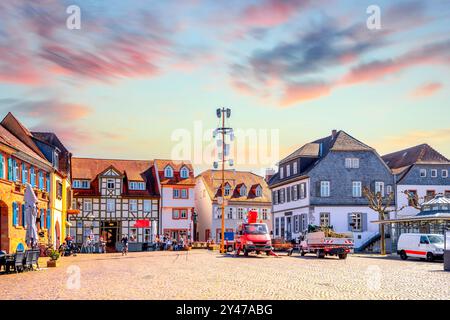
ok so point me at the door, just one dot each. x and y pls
(288, 228)
(423, 247)
(207, 234)
(109, 232)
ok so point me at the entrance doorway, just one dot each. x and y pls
(57, 234)
(109, 233)
(4, 242)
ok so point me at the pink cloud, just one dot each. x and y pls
(270, 13)
(426, 90)
(296, 93)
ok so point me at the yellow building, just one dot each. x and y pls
(49, 174)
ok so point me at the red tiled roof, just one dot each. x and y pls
(132, 170)
(9, 139)
(212, 181)
(423, 153)
(176, 165)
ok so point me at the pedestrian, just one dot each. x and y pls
(87, 245)
(124, 242)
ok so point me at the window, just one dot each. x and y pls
(41, 180)
(388, 190)
(184, 193)
(258, 191)
(294, 193)
(304, 222)
(15, 170)
(240, 213)
(134, 185)
(183, 214)
(175, 214)
(176, 193)
(230, 213)
(379, 187)
(444, 173)
(227, 190)
(325, 219)
(275, 197)
(184, 172)
(2, 166)
(277, 226)
(133, 205)
(356, 189)
(59, 190)
(47, 182)
(296, 223)
(87, 205)
(243, 191)
(111, 205)
(352, 163)
(15, 214)
(168, 172)
(413, 195)
(324, 188)
(110, 184)
(423, 173)
(356, 221)
(24, 173)
(288, 170)
(282, 195)
(294, 168)
(265, 214)
(32, 177)
(302, 190)
(147, 205)
(49, 219)
(81, 184)
(281, 172)
(56, 164)
(430, 195)
(41, 218)
(434, 173)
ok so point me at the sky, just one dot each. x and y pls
(139, 74)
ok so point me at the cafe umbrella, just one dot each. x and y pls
(31, 210)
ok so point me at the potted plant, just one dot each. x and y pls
(54, 256)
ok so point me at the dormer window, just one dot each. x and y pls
(227, 190)
(168, 172)
(135, 185)
(258, 191)
(243, 191)
(434, 173)
(294, 168)
(281, 172)
(79, 184)
(423, 173)
(184, 173)
(288, 170)
(110, 184)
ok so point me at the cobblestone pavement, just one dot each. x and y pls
(201, 274)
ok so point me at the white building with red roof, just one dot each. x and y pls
(176, 184)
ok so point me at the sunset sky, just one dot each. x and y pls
(139, 70)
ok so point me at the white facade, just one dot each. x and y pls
(176, 213)
(291, 219)
(210, 214)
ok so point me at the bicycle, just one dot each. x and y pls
(124, 249)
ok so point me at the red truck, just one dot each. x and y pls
(253, 237)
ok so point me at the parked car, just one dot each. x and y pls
(280, 244)
(420, 245)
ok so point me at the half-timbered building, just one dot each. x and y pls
(115, 198)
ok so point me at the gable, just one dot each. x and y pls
(111, 172)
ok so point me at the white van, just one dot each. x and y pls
(420, 245)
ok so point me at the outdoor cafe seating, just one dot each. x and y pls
(20, 261)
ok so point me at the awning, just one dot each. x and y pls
(73, 211)
(412, 219)
(144, 223)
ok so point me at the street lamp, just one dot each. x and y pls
(223, 113)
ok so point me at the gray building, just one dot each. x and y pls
(322, 183)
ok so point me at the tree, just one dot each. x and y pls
(380, 204)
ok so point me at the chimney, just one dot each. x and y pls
(269, 173)
(333, 134)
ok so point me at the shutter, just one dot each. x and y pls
(2, 167)
(13, 213)
(349, 220)
(41, 219)
(318, 189)
(298, 191)
(23, 216)
(364, 221)
(288, 194)
(306, 189)
(49, 219)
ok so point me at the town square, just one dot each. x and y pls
(257, 150)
